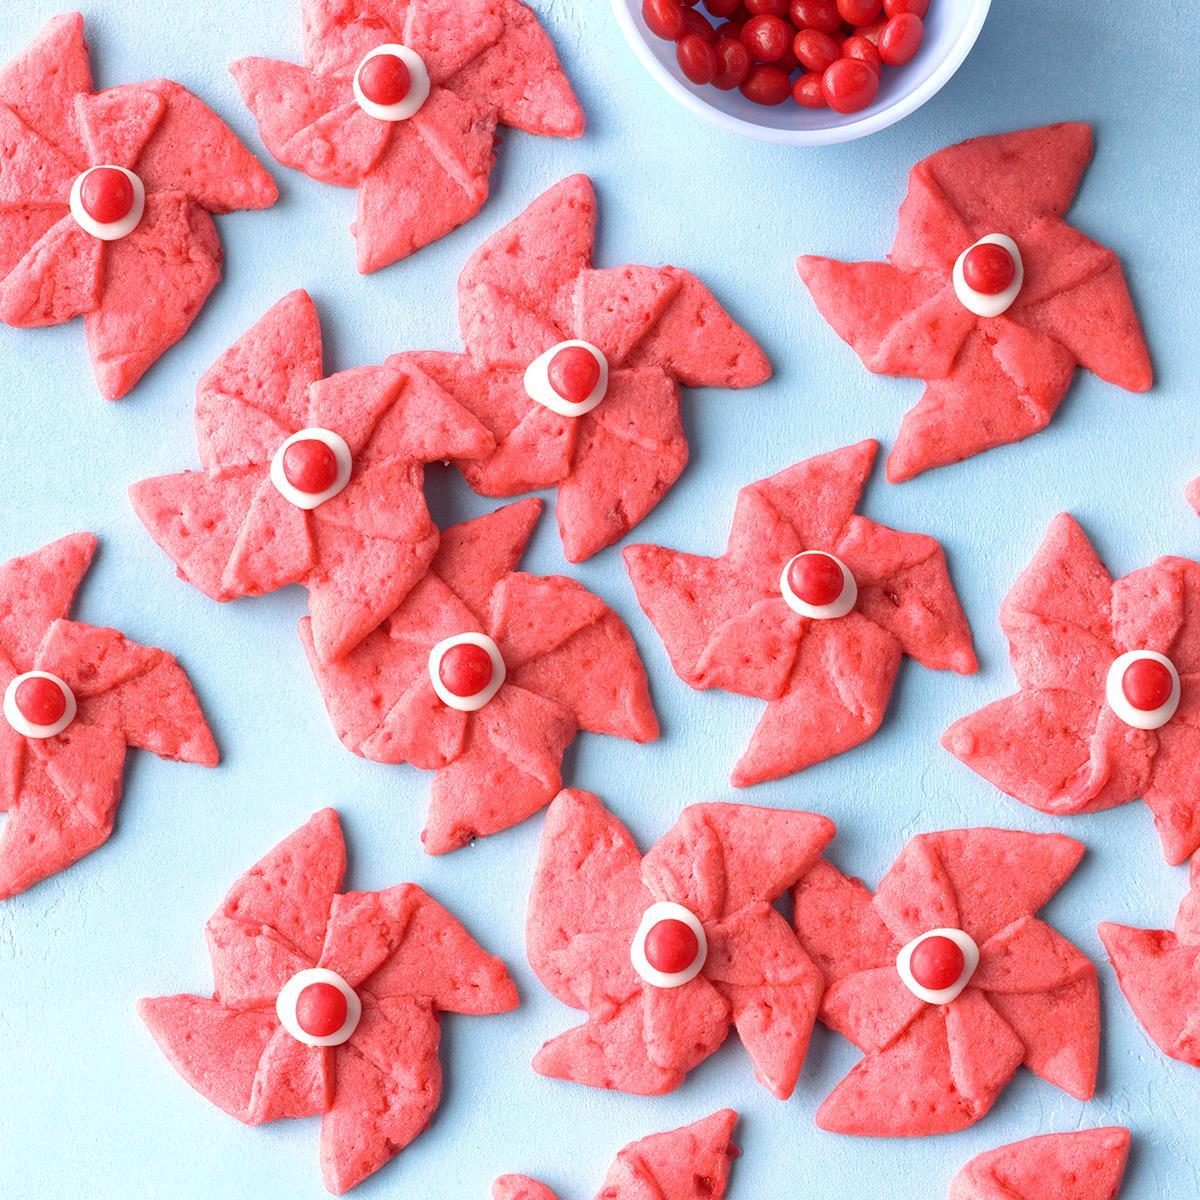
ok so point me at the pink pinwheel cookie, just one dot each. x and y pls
(691, 1163)
(988, 295)
(810, 608)
(576, 370)
(308, 478)
(484, 675)
(106, 203)
(666, 952)
(327, 1004)
(947, 981)
(1109, 706)
(1088, 1165)
(400, 99)
(1159, 972)
(76, 697)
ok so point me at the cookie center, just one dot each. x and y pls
(321, 1009)
(1143, 689)
(988, 275)
(669, 948)
(318, 1007)
(385, 79)
(38, 704)
(391, 83)
(466, 671)
(311, 467)
(108, 202)
(570, 378)
(818, 585)
(938, 965)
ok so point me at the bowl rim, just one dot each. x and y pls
(834, 134)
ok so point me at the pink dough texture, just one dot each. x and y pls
(531, 286)
(1033, 999)
(231, 532)
(691, 1163)
(61, 792)
(989, 381)
(570, 662)
(827, 683)
(1088, 1165)
(1056, 745)
(489, 63)
(138, 295)
(727, 864)
(1159, 972)
(406, 957)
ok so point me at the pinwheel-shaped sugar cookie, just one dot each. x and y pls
(1088, 1165)
(988, 295)
(947, 981)
(400, 99)
(576, 370)
(664, 953)
(484, 675)
(691, 1163)
(1109, 707)
(106, 203)
(308, 479)
(1159, 972)
(327, 1003)
(76, 697)
(811, 608)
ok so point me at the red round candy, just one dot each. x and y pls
(988, 268)
(859, 12)
(384, 79)
(310, 466)
(106, 195)
(766, 84)
(733, 63)
(864, 50)
(807, 91)
(40, 701)
(850, 85)
(664, 18)
(466, 669)
(321, 1009)
(671, 946)
(816, 51)
(574, 373)
(693, 22)
(723, 9)
(774, 8)
(767, 38)
(937, 963)
(816, 579)
(1147, 684)
(696, 58)
(821, 15)
(893, 8)
(900, 39)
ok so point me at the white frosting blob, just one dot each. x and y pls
(418, 90)
(110, 231)
(466, 703)
(970, 951)
(665, 910)
(1114, 692)
(820, 612)
(980, 303)
(538, 387)
(285, 1006)
(311, 500)
(21, 723)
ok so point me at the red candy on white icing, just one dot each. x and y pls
(1143, 689)
(670, 946)
(818, 585)
(569, 379)
(318, 1007)
(312, 466)
(108, 202)
(391, 83)
(385, 79)
(466, 671)
(988, 268)
(574, 373)
(38, 704)
(937, 966)
(988, 275)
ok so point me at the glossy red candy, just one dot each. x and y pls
(816, 579)
(988, 268)
(766, 84)
(821, 15)
(864, 50)
(816, 50)
(722, 9)
(1147, 684)
(807, 91)
(574, 373)
(321, 1008)
(937, 963)
(733, 63)
(696, 58)
(671, 946)
(310, 466)
(893, 8)
(773, 8)
(859, 12)
(693, 22)
(42, 702)
(466, 669)
(384, 79)
(767, 38)
(849, 85)
(664, 18)
(900, 39)
(106, 195)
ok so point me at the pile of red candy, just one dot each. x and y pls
(821, 53)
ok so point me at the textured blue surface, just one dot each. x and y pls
(88, 1106)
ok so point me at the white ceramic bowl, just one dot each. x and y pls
(951, 27)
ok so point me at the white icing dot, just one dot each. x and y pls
(940, 996)
(466, 703)
(539, 388)
(981, 303)
(22, 724)
(665, 910)
(1114, 691)
(820, 612)
(311, 500)
(285, 1006)
(418, 89)
(108, 231)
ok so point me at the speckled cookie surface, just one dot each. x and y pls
(1087, 1165)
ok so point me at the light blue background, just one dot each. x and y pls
(89, 1107)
